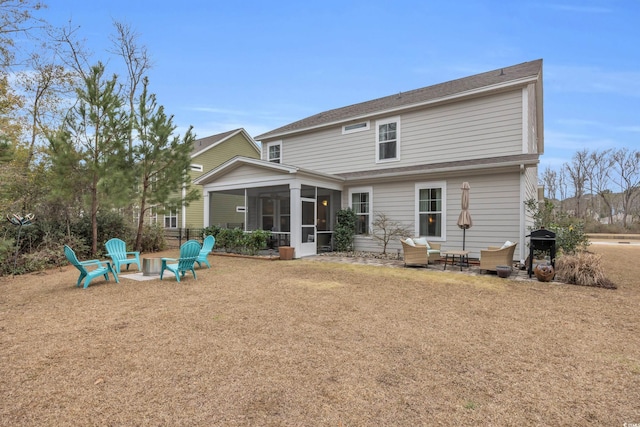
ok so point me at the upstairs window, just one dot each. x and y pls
(274, 152)
(388, 139)
(355, 127)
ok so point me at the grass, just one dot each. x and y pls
(313, 343)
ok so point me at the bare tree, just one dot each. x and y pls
(578, 174)
(626, 164)
(550, 182)
(600, 179)
(385, 229)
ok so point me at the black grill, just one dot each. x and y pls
(542, 241)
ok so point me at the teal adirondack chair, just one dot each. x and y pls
(117, 250)
(188, 254)
(207, 247)
(102, 268)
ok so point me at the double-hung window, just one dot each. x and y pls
(388, 139)
(171, 219)
(360, 203)
(431, 210)
(274, 152)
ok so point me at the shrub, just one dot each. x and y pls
(583, 268)
(153, 239)
(346, 220)
(256, 240)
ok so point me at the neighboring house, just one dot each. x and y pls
(209, 153)
(404, 155)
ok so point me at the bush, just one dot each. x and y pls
(153, 239)
(583, 268)
(345, 229)
(570, 234)
(255, 241)
(230, 239)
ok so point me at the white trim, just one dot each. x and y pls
(194, 167)
(368, 190)
(273, 144)
(355, 127)
(525, 120)
(431, 184)
(381, 122)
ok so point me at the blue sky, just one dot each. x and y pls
(260, 65)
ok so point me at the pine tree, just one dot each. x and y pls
(89, 153)
(162, 161)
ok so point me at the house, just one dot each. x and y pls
(405, 155)
(208, 153)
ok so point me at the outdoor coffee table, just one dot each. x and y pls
(151, 265)
(463, 258)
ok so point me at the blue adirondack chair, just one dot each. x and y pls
(188, 254)
(117, 250)
(102, 268)
(207, 247)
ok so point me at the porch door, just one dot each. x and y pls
(308, 245)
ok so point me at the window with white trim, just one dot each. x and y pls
(274, 152)
(431, 210)
(171, 219)
(355, 127)
(388, 139)
(360, 203)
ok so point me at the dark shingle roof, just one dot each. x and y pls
(413, 97)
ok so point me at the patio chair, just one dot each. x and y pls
(188, 254)
(494, 256)
(102, 268)
(117, 250)
(419, 251)
(207, 246)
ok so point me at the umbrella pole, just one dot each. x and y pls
(464, 230)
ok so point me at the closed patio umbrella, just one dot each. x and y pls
(464, 220)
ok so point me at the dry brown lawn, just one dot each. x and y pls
(304, 343)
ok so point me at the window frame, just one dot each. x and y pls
(366, 127)
(383, 122)
(268, 152)
(369, 191)
(442, 185)
(194, 167)
(171, 215)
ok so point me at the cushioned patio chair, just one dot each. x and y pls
(117, 250)
(419, 251)
(188, 254)
(100, 268)
(207, 246)
(494, 256)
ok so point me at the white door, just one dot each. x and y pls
(308, 245)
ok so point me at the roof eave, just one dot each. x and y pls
(390, 111)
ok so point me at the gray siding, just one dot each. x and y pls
(472, 129)
(494, 206)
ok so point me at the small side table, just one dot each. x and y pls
(463, 258)
(151, 265)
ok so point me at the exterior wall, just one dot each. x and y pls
(494, 206)
(532, 119)
(210, 159)
(472, 129)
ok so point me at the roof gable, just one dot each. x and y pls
(203, 144)
(404, 100)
